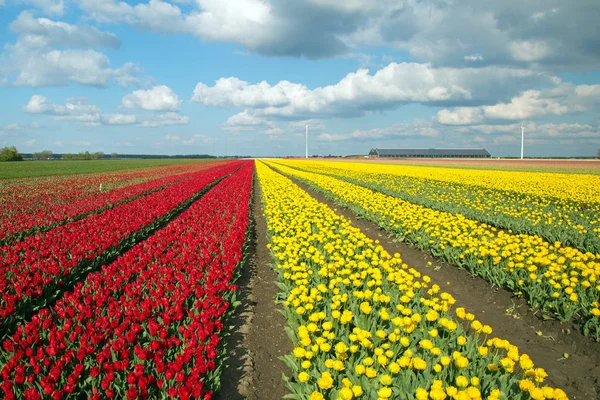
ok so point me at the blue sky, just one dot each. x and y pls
(190, 76)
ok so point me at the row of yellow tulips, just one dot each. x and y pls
(571, 222)
(578, 187)
(367, 326)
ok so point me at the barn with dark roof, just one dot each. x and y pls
(430, 153)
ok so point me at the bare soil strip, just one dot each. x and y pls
(571, 360)
(258, 338)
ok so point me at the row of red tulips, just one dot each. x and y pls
(35, 271)
(42, 208)
(148, 325)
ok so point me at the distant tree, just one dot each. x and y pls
(42, 155)
(84, 155)
(98, 155)
(68, 156)
(10, 154)
(598, 153)
(114, 156)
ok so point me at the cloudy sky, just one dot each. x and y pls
(246, 76)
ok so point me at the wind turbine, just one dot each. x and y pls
(306, 141)
(522, 139)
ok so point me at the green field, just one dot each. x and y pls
(31, 169)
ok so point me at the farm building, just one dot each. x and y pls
(430, 153)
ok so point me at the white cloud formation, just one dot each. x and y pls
(553, 134)
(563, 99)
(81, 110)
(187, 141)
(559, 139)
(529, 50)
(42, 32)
(314, 125)
(360, 92)
(461, 116)
(18, 128)
(487, 31)
(247, 121)
(51, 53)
(233, 92)
(119, 119)
(167, 119)
(262, 26)
(75, 109)
(61, 67)
(474, 57)
(159, 98)
(415, 129)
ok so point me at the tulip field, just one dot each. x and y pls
(91, 309)
(128, 284)
(562, 280)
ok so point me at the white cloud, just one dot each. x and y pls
(588, 91)
(262, 26)
(190, 140)
(233, 92)
(79, 109)
(247, 121)
(415, 129)
(159, 98)
(274, 131)
(314, 125)
(530, 104)
(50, 53)
(540, 15)
(461, 116)
(360, 92)
(119, 119)
(439, 32)
(528, 50)
(18, 128)
(552, 134)
(474, 57)
(42, 32)
(75, 109)
(560, 100)
(166, 119)
(562, 131)
(60, 67)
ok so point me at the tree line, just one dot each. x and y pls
(10, 153)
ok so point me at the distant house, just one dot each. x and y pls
(430, 153)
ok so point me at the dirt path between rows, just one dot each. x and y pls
(571, 360)
(254, 370)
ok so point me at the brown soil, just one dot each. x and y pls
(571, 360)
(258, 339)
